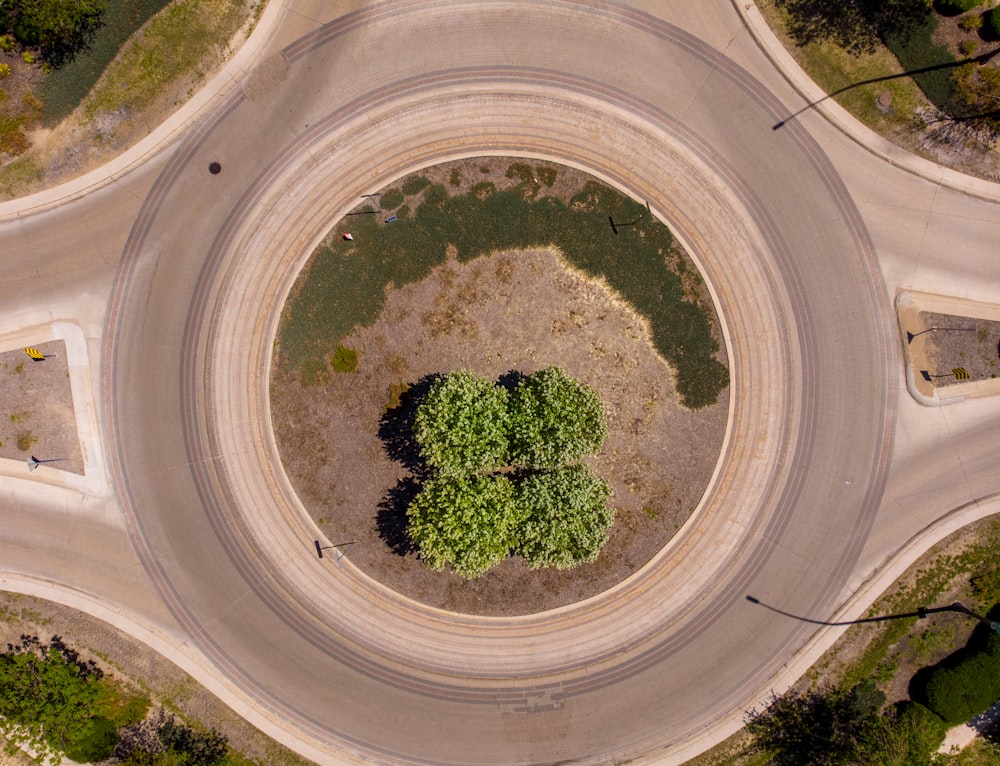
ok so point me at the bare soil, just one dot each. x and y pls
(511, 312)
(36, 408)
(959, 343)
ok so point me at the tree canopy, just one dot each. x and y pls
(855, 25)
(504, 476)
(566, 517)
(843, 727)
(59, 29)
(48, 700)
(467, 522)
(554, 420)
(461, 426)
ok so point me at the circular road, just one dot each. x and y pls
(355, 672)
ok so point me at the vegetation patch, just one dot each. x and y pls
(346, 283)
(174, 43)
(504, 473)
(64, 88)
(344, 359)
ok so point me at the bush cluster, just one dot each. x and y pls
(505, 477)
(958, 693)
(56, 703)
(843, 727)
(57, 29)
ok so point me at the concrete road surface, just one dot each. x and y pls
(831, 478)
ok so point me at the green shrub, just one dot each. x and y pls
(554, 420)
(97, 744)
(4, 70)
(986, 589)
(955, 7)
(547, 174)
(968, 47)
(566, 517)
(959, 693)
(415, 184)
(970, 23)
(403, 211)
(344, 359)
(392, 199)
(920, 731)
(991, 24)
(466, 522)
(455, 177)
(461, 426)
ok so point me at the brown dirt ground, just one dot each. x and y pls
(972, 344)
(512, 311)
(36, 414)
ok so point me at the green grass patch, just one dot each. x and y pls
(18, 175)
(930, 582)
(344, 359)
(392, 199)
(848, 78)
(66, 87)
(346, 283)
(174, 44)
(415, 184)
(917, 52)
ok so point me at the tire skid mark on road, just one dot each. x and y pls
(209, 471)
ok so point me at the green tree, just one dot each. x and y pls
(50, 698)
(465, 521)
(555, 420)
(820, 728)
(461, 426)
(58, 28)
(959, 692)
(566, 517)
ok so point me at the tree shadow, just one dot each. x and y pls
(978, 643)
(395, 427)
(396, 433)
(391, 517)
(510, 379)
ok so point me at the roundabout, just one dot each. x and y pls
(352, 671)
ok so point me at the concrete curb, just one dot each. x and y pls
(95, 481)
(170, 131)
(849, 125)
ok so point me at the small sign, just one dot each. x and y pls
(35, 354)
(960, 373)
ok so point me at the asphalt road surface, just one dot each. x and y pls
(179, 276)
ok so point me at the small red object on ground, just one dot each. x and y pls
(348, 236)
